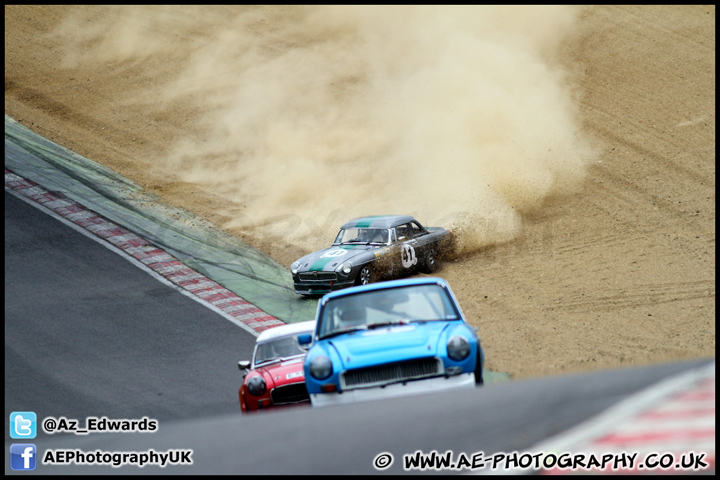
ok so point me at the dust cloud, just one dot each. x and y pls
(462, 116)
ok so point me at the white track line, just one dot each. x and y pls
(149, 258)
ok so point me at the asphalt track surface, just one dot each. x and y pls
(87, 333)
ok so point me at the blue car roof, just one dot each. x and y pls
(404, 282)
(379, 221)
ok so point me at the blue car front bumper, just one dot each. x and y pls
(393, 390)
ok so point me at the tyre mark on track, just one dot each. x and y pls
(693, 175)
(650, 294)
(671, 31)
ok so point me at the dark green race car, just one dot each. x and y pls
(373, 248)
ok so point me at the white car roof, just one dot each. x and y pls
(286, 330)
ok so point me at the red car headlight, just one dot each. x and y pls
(256, 386)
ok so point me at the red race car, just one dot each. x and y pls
(275, 376)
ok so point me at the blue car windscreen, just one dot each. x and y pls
(416, 303)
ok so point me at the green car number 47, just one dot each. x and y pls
(372, 248)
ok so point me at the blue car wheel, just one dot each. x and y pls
(479, 369)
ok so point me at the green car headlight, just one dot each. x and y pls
(345, 268)
(295, 267)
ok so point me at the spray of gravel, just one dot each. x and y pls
(463, 116)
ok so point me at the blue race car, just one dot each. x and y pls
(390, 339)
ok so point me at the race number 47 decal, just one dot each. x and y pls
(407, 255)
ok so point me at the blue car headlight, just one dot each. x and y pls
(256, 386)
(458, 348)
(295, 267)
(321, 367)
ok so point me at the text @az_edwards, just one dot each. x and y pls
(98, 424)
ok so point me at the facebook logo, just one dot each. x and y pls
(23, 456)
(23, 425)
